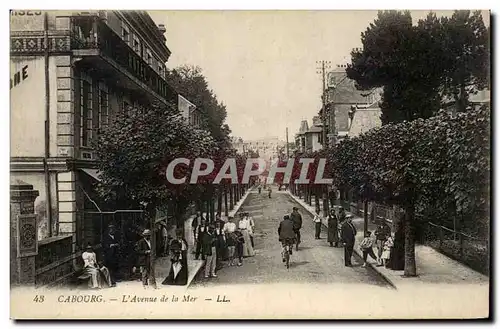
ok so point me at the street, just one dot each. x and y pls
(315, 262)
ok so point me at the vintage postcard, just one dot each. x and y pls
(250, 164)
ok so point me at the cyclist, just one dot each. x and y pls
(286, 234)
(297, 224)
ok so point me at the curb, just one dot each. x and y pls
(357, 252)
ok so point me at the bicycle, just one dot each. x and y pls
(287, 252)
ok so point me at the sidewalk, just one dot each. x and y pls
(432, 266)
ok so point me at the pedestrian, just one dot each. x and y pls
(200, 232)
(178, 274)
(333, 235)
(243, 226)
(260, 188)
(317, 224)
(382, 233)
(240, 245)
(269, 191)
(348, 234)
(96, 274)
(220, 245)
(210, 252)
(111, 250)
(228, 230)
(367, 248)
(342, 215)
(197, 220)
(386, 254)
(297, 224)
(144, 259)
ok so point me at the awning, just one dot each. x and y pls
(92, 173)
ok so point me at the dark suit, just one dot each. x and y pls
(111, 255)
(144, 261)
(210, 253)
(348, 234)
(199, 242)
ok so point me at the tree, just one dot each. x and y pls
(465, 45)
(419, 64)
(135, 150)
(190, 82)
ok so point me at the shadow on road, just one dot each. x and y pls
(296, 264)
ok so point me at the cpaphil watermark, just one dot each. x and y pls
(253, 167)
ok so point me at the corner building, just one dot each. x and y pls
(71, 72)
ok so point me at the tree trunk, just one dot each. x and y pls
(365, 216)
(325, 200)
(398, 254)
(409, 224)
(219, 200)
(231, 197)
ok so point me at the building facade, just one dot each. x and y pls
(309, 139)
(190, 112)
(342, 96)
(71, 72)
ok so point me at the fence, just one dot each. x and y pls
(472, 251)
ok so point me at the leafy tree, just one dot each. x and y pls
(466, 53)
(190, 82)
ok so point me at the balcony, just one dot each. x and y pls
(101, 48)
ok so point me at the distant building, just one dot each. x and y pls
(363, 118)
(267, 148)
(190, 112)
(342, 95)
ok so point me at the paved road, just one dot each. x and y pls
(315, 262)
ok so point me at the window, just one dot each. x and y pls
(137, 45)
(125, 34)
(85, 113)
(149, 57)
(160, 70)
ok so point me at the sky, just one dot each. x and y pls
(263, 64)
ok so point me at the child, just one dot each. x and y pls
(386, 254)
(367, 247)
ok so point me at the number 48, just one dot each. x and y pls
(39, 299)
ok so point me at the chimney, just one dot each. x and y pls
(162, 29)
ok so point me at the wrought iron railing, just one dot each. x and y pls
(93, 33)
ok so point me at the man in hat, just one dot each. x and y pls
(111, 253)
(144, 259)
(348, 234)
(210, 252)
(297, 225)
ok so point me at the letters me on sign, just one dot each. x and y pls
(19, 76)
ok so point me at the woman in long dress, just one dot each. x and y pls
(178, 274)
(243, 226)
(92, 271)
(333, 236)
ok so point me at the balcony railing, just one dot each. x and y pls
(93, 33)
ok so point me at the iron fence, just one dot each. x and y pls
(470, 250)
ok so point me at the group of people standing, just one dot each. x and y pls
(223, 241)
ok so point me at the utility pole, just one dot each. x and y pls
(324, 66)
(322, 70)
(287, 150)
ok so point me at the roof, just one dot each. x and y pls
(314, 129)
(347, 93)
(364, 120)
